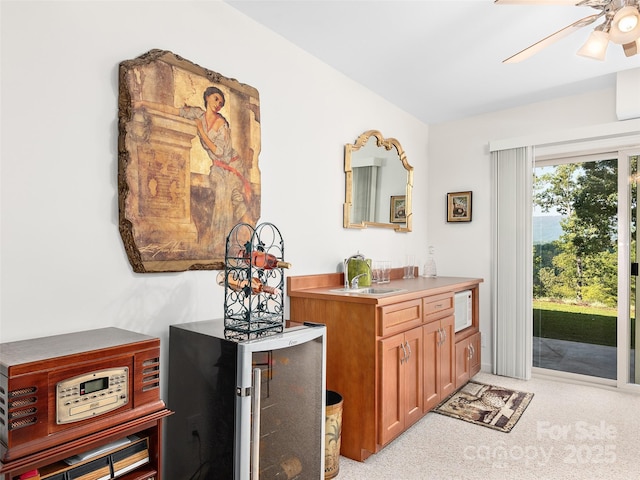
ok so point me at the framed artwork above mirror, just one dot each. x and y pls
(377, 177)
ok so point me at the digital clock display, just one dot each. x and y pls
(94, 385)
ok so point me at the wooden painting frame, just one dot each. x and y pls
(397, 209)
(459, 206)
(188, 146)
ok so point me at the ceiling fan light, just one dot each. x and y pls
(625, 26)
(596, 45)
(628, 23)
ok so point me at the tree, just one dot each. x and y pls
(586, 195)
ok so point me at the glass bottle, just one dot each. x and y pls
(264, 260)
(430, 265)
(240, 284)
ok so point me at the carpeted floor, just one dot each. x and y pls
(568, 432)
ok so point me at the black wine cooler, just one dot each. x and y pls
(245, 408)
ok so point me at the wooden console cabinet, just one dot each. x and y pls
(71, 394)
(392, 357)
(147, 426)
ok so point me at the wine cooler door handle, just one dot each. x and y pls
(255, 426)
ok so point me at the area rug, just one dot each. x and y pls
(487, 405)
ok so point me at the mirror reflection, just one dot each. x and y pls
(379, 181)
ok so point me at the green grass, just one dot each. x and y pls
(576, 323)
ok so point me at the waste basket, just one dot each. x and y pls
(333, 431)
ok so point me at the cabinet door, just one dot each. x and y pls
(391, 420)
(467, 358)
(447, 358)
(474, 361)
(439, 361)
(401, 360)
(432, 335)
(412, 372)
(462, 363)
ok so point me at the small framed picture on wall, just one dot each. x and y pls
(459, 207)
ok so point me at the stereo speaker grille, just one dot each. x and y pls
(151, 374)
(19, 416)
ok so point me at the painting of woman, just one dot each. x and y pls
(188, 170)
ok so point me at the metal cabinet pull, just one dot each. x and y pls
(404, 356)
(408, 349)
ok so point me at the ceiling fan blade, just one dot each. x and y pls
(554, 37)
(537, 2)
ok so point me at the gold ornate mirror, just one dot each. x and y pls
(378, 185)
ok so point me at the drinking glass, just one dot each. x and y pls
(376, 272)
(385, 271)
(409, 266)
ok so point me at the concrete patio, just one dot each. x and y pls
(575, 357)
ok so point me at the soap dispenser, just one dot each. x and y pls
(430, 265)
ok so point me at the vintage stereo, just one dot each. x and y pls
(60, 388)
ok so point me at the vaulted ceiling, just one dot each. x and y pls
(442, 60)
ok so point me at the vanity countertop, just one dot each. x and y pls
(320, 287)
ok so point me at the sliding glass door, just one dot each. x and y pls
(575, 230)
(585, 266)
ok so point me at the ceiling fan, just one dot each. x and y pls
(621, 25)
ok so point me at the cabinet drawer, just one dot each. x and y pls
(400, 317)
(438, 306)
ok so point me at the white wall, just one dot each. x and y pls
(459, 160)
(63, 267)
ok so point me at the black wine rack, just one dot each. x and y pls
(249, 314)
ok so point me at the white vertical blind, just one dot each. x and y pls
(513, 268)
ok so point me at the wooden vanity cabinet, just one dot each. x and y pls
(391, 358)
